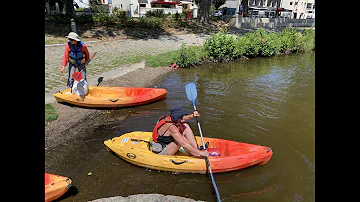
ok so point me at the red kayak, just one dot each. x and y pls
(55, 186)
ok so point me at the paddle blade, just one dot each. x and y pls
(191, 92)
(99, 80)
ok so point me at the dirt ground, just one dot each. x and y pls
(72, 119)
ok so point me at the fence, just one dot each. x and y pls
(247, 22)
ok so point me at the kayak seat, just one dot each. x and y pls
(149, 145)
(224, 150)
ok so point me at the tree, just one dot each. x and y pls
(69, 8)
(245, 4)
(204, 11)
(218, 3)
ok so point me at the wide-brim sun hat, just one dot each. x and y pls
(176, 112)
(73, 35)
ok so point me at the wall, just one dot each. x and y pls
(244, 22)
(143, 11)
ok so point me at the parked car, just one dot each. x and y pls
(217, 13)
(284, 13)
(311, 15)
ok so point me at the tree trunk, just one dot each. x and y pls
(245, 4)
(69, 8)
(204, 11)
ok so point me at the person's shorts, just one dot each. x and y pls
(157, 148)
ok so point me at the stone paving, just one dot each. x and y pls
(111, 54)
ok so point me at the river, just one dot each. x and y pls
(266, 101)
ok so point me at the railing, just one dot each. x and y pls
(247, 22)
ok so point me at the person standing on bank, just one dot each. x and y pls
(77, 54)
(172, 132)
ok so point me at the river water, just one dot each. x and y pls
(266, 101)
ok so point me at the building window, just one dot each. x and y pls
(291, 3)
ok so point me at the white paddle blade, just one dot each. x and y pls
(191, 92)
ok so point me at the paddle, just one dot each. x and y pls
(91, 58)
(99, 80)
(191, 94)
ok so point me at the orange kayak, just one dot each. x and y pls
(55, 186)
(226, 155)
(112, 97)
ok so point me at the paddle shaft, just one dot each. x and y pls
(91, 58)
(197, 120)
(191, 94)
(207, 160)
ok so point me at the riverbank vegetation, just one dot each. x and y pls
(226, 47)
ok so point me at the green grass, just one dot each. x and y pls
(50, 113)
(162, 59)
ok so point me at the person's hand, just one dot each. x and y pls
(62, 69)
(196, 113)
(204, 153)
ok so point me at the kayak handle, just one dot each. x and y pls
(113, 100)
(178, 163)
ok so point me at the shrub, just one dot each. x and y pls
(251, 43)
(270, 43)
(221, 47)
(150, 22)
(158, 13)
(188, 56)
(287, 38)
(305, 41)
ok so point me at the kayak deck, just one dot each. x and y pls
(135, 148)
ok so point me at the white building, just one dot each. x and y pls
(300, 7)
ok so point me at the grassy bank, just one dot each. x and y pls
(50, 113)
